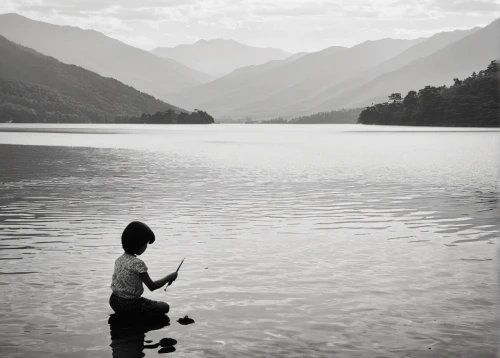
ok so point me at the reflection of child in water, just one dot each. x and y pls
(128, 333)
(131, 272)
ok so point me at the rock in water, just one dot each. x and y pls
(185, 321)
(166, 342)
(167, 350)
(151, 346)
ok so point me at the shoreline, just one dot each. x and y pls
(117, 128)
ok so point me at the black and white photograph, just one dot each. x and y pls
(249, 178)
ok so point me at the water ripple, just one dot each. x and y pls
(373, 248)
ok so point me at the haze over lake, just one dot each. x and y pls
(300, 240)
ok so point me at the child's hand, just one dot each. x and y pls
(169, 279)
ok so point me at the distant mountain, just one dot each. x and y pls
(458, 60)
(251, 83)
(101, 54)
(422, 49)
(248, 71)
(219, 57)
(35, 87)
(224, 85)
(356, 59)
(264, 94)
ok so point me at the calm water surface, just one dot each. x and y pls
(300, 241)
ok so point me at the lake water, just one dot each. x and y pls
(300, 240)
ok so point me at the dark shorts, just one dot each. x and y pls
(133, 305)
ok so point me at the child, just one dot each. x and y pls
(131, 272)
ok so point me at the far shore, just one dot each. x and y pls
(116, 128)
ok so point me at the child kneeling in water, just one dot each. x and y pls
(131, 272)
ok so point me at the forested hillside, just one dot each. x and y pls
(342, 116)
(472, 102)
(39, 88)
(108, 57)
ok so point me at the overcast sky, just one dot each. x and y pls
(293, 25)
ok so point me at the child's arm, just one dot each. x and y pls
(154, 285)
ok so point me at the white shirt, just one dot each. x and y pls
(126, 282)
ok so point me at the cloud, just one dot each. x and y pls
(294, 25)
(362, 11)
(305, 9)
(225, 23)
(97, 5)
(7, 6)
(468, 5)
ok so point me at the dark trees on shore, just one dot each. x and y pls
(340, 116)
(473, 102)
(22, 102)
(170, 117)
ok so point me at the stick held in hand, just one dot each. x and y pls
(180, 265)
(168, 284)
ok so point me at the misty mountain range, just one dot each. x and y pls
(35, 86)
(219, 57)
(289, 82)
(101, 54)
(260, 83)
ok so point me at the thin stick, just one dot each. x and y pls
(180, 265)
(175, 271)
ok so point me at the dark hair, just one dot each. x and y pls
(135, 235)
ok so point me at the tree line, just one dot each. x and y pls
(340, 116)
(22, 102)
(472, 102)
(170, 117)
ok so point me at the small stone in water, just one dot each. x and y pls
(166, 342)
(167, 350)
(151, 346)
(185, 321)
